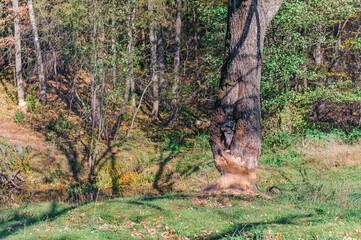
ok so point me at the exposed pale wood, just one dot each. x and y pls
(236, 123)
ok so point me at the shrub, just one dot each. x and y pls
(12, 165)
(19, 116)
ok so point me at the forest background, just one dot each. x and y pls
(119, 96)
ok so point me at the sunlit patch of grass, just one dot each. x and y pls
(321, 205)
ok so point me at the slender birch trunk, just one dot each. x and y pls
(18, 63)
(153, 63)
(175, 87)
(39, 59)
(94, 79)
(131, 37)
(161, 63)
(113, 48)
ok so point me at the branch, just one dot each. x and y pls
(140, 103)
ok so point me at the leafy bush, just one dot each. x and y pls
(13, 164)
(174, 141)
(31, 100)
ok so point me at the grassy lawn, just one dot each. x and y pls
(325, 204)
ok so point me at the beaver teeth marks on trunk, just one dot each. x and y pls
(228, 129)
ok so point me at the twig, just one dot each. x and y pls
(287, 179)
(135, 114)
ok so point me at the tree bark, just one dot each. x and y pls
(236, 124)
(175, 90)
(161, 62)
(131, 37)
(196, 42)
(113, 47)
(318, 53)
(39, 59)
(18, 63)
(94, 77)
(153, 63)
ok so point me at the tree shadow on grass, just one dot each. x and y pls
(162, 181)
(19, 220)
(240, 229)
(145, 204)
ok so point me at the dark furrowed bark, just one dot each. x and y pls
(236, 124)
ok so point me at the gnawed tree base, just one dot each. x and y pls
(233, 184)
(236, 134)
(22, 103)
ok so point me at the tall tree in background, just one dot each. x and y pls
(175, 87)
(131, 47)
(18, 63)
(39, 59)
(153, 61)
(236, 123)
(161, 62)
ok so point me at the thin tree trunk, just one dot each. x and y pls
(113, 47)
(318, 53)
(131, 54)
(153, 63)
(18, 64)
(161, 62)
(102, 56)
(94, 87)
(129, 82)
(334, 61)
(236, 123)
(56, 72)
(131, 42)
(39, 59)
(175, 87)
(196, 42)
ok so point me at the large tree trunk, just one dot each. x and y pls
(18, 64)
(153, 63)
(39, 59)
(236, 124)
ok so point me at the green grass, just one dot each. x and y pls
(323, 205)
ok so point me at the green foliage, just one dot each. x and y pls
(59, 124)
(19, 116)
(282, 158)
(200, 141)
(12, 167)
(82, 192)
(31, 100)
(292, 85)
(174, 141)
